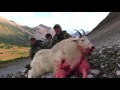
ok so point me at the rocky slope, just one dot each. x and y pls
(105, 61)
(107, 32)
(106, 39)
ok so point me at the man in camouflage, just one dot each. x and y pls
(60, 35)
(35, 46)
(48, 40)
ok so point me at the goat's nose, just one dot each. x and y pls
(93, 47)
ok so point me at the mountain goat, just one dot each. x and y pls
(64, 58)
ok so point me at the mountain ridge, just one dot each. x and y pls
(14, 33)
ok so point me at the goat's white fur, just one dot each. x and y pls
(46, 60)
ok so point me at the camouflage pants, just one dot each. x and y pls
(32, 53)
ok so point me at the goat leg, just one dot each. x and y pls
(84, 68)
(63, 69)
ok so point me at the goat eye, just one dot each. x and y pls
(82, 40)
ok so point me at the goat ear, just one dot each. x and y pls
(75, 39)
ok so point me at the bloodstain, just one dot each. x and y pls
(63, 69)
(84, 68)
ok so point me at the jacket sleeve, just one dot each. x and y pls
(67, 36)
(54, 41)
(41, 45)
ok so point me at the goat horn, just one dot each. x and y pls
(83, 32)
(78, 32)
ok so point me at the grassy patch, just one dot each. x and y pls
(10, 52)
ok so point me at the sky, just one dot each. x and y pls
(67, 20)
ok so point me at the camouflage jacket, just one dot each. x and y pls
(58, 38)
(38, 46)
(49, 44)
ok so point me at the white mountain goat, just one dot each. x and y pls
(64, 58)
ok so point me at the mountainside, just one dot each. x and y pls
(107, 32)
(13, 33)
(106, 39)
(41, 30)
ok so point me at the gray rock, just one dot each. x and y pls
(118, 57)
(102, 66)
(104, 75)
(110, 76)
(90, 76)
(24, 70)
(23, 74)
(109, 47)
(73, 76)
(94, 53)
(118, 73)
(118, 46)
(103, 49)
(100, 52)
(26, 75)
(102, 56)
(106, 65)
(13, 76)
(95, 71)
(118, 53)
(118, 41)
(95, 59)
(119, 65)
(50, 75)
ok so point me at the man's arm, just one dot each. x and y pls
(54, 41)
(67, 35)
(41, 44)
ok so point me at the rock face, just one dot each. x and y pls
(107, 60)
(107, 32)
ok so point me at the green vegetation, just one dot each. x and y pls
(13, 35)
(10, 52)
(14, 42)
(28, 28)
